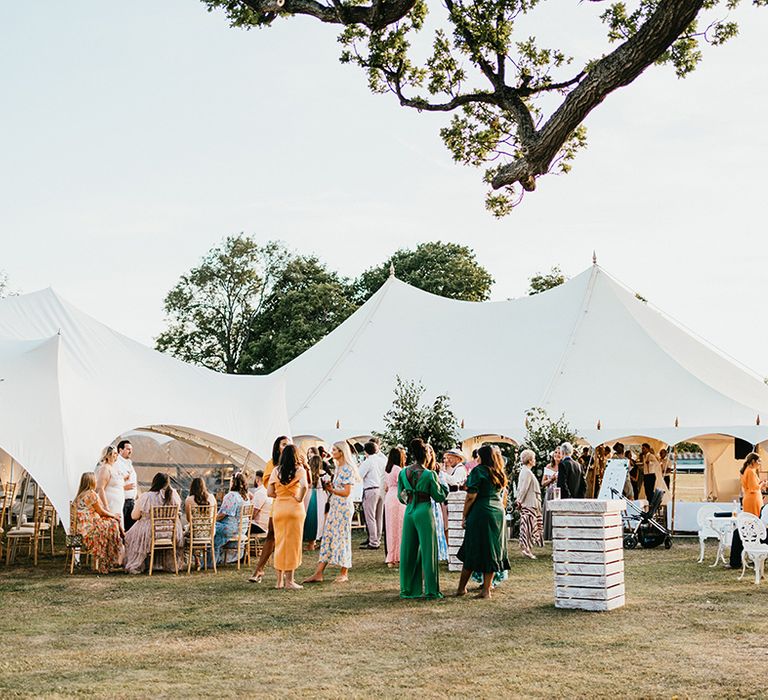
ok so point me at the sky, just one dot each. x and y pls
(135, 136)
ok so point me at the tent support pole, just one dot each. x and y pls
(674, 489)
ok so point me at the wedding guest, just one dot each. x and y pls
(394, 510)
(198, 496)
(549, 483)
(268, 545)
(336, 546)
(372, 474)
(287, 487)
(262, 504)
(454, 474)
(228, 517)
(99, 528)
(110, 484)
(635, 474)
(570, 479)
(529, 504)
(653, 474)
(751, 502)
(437, 507)
(485, 541)
(313, 468)
(418, 486)
(618, 453)
(666, 466)
(125, 468)
(472, 462)
(138, 540)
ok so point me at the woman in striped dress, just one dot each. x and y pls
(529, 503)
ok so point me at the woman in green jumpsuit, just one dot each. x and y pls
(485, 539)
(416, 486)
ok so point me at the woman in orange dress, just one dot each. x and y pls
(287, 486)
(751, 485)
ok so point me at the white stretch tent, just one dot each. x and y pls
(588, 349)
(69, 385)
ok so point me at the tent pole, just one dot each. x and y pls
(674, 489)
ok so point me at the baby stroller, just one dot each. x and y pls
(641, 526)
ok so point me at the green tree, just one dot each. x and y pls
(541, 282)
(543, 435)
(307, 302)
(212, 309)
(518, 105)
(410, 418)
(447, 269)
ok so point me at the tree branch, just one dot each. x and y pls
(619, 68)
(377, 16)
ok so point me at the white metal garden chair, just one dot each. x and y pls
(752, 531)
(705, 528)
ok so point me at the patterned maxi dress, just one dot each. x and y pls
(101, 536)
(442, 544)
(336, 547)
(394, 511)
(138, 540)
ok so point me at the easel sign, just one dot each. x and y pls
(615, 477)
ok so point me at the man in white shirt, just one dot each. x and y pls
(372, 474)
(454, 471)
(124, 467)
(262, 505)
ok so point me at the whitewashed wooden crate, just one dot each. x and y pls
(588, 554)
(455, 503)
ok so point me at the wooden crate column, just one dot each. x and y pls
(455, 530)
(588, 553)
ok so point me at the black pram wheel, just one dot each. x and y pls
(667, 542)
(630, 541)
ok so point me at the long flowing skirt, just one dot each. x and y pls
(336, 547)
(530, 529)
(442, 545)
(394, 512)
(310, 522)
(549, 494)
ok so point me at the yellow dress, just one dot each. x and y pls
(753, 499)
(288, 516)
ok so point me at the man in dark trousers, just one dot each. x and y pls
(570, 479)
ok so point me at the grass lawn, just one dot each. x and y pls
(687, 631)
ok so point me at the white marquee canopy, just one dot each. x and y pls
(589, 350)
(69, 385)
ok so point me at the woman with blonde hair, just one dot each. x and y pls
(529, 504)
(336, 547)
(99, 528)
(110, 485)
(485, 539)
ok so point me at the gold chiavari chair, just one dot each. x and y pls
(163, 521)
(33, 536)
(75, 545)
(7, 494)
(202, 528)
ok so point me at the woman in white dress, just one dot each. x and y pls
(110, 485)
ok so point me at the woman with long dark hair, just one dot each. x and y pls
(485, 542)
(268, 546)
(287, 486)
(312, 521)
(394, 511)
(228, 517)
(418, 486)
(198, 496)
(138, 540)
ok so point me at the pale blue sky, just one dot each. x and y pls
(135, 136)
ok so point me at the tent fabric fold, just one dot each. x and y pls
(70, 385)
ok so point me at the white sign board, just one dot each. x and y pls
(615, 477)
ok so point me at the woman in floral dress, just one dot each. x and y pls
(336, 547)
(99, 528)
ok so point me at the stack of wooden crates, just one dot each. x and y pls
(588, 553)
(455, 531)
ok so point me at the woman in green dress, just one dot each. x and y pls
(485, 539)
(416, 486)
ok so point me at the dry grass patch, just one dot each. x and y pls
(687, 630)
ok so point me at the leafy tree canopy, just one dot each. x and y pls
(542, 281)
(517, 104)
(447, 269)
(411, 418)
(543, 435)
(307, 302)
(212, 309)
